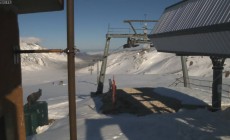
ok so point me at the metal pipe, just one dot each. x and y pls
(126, 21)
(132, 27)
(41, 51)
(71, 70)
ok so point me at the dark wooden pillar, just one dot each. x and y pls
(11, 101)
(218, 63)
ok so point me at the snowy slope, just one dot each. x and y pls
(149, 61)
(160, 70)
(92, 125)
(143, 62)
(153, 62)
(124, 61)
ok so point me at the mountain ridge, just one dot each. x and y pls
(122, 61)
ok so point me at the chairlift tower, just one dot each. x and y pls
(138, 37)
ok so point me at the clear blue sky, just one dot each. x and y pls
(91, 21)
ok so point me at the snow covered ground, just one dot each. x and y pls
(131, 68)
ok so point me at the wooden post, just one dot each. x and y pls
(218, 63)
(71, 70)
(11, 99)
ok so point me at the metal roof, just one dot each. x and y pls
(194, 27)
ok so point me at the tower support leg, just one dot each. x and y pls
(185, 72)
(103, 68)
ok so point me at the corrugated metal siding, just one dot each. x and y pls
(181, 28)
(216, 43)
(193, 14)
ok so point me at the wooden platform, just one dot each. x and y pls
(139, 101)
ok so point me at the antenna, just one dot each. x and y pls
(108, 28)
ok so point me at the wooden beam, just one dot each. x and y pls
(34, 6)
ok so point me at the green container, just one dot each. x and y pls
(35, 115)
(31, 123)
(42, 112)
(27, 124)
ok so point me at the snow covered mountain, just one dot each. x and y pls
(149, 61)
(123, 61)
(37, 61)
